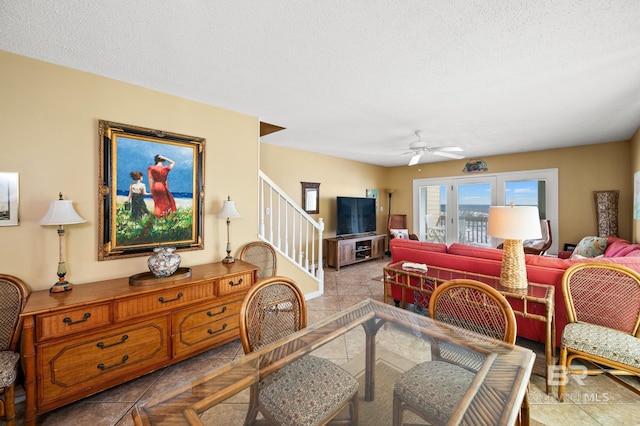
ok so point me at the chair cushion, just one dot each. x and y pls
(440, 394)
(306, 391)
(8, 367)
(603, 342)
(400, 233)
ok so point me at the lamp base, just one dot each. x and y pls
(228, 260)
(61, 286)
(513, 273)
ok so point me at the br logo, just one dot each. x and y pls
(556, 375)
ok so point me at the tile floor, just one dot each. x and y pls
(597, 401)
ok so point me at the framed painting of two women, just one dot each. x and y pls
(150, 190)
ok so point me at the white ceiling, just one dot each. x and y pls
(356, 78)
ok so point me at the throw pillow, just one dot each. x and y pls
(400, 233)
(590, 247)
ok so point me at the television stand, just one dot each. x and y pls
(342, 251)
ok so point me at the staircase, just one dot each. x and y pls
(290, 230)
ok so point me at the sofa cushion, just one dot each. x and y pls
(617, 247)
(590, 247)
(421, 246)
(400, 233)
(475, 251)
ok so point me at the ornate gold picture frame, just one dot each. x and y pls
(151, 190)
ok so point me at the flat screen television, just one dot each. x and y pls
(355, 216)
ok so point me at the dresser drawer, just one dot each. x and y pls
(72, 321)
(195, 316)
(231, 284)
(133, 307)
(206, 335)
(87, 363)
(206, 324)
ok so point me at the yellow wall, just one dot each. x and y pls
(288, 167)
(581, 170)
(49, 127)
(49, 136)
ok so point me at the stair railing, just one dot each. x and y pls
(290, 230)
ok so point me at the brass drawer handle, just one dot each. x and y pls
(232, 284)
(69, 321)
(103, 367)
(162, 300)
(211, 314)
(101, 345)
(224, 327)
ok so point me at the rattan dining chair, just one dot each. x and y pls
(434, 389)
(263, 256)
(603, 320)
(13, 296)
(308, 391)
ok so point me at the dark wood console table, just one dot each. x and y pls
(349, 250)
(102, 334)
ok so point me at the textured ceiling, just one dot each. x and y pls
(356, 78)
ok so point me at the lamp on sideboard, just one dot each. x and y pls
(228, 211)
(514, 224)
(60, 213)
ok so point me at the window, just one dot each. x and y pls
(456, 209)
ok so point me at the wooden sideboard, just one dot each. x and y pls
(102, 334)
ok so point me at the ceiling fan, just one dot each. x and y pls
(420, 147)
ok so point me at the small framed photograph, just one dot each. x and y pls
(8, 199)
(151, 190)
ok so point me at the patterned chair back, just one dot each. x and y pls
(263, 256)
(273, 309)
(13, 296)
(474, 306)
(603, 294)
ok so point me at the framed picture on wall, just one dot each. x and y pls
(150, 190)
(8, 199)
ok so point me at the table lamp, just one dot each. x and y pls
(228, 211)
(514, 224)
(61, 213)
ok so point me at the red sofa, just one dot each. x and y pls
(487, 261)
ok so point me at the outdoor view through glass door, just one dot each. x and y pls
(473, 201)
(456, 209)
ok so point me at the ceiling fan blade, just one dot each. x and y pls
(448, 148)
(448, 155)
(414, 160)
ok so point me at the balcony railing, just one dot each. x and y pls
(473, 229)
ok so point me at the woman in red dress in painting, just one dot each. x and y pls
(163, 201)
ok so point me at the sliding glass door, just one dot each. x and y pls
(456, 209)
(433, 211)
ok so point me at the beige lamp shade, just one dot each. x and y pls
(514, 224)
(61, 212)
(228, 209)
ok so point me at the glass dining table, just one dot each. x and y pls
(376, 343)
